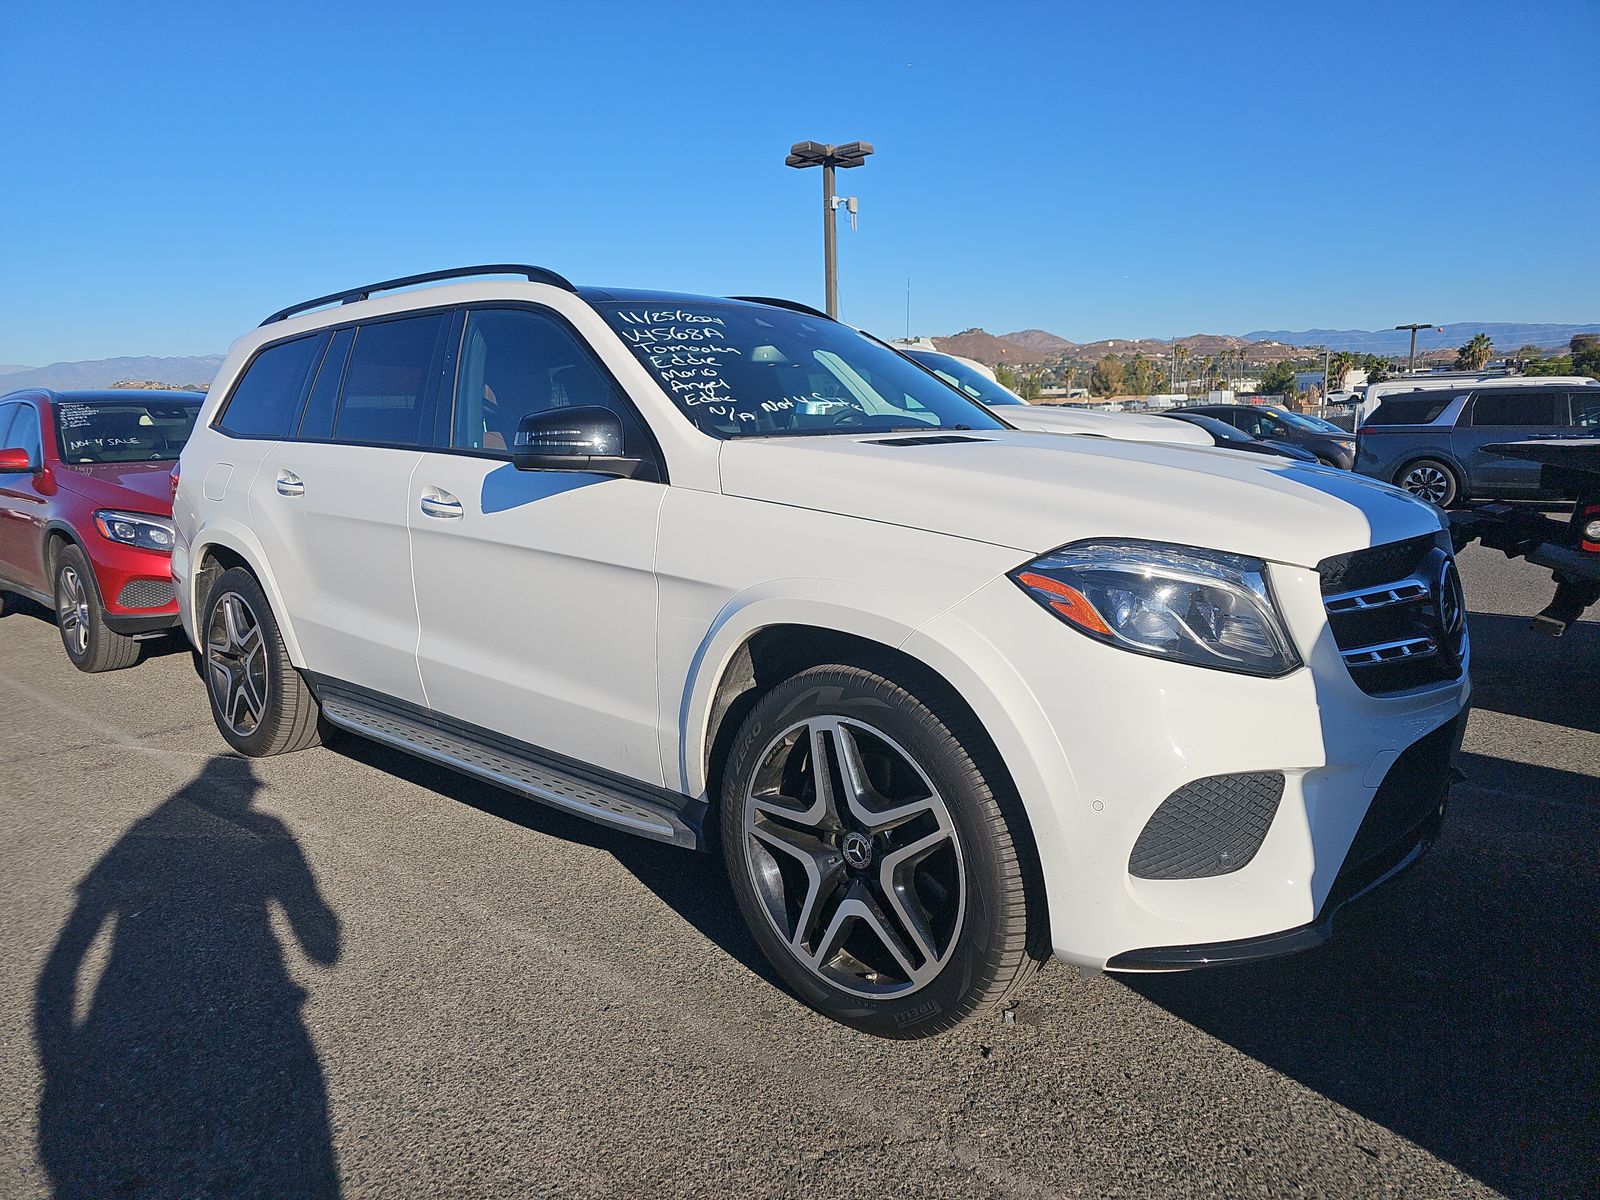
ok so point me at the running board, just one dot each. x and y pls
(588, 792)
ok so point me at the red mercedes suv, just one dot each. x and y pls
(86, 513)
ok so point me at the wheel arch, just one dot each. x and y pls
(58, 534)
(754, 655)
(217, 550)
(1445, 457)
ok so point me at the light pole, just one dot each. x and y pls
(816, 154)
(1411, 364)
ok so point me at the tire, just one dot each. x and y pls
(1431, 480)
(924, 854)
(259, 701)
(81, 617)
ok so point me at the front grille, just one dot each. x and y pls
(1212, 826)
(1397, 613)
(145, 593)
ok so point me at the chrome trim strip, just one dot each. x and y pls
(1402, 591)
(1380, 653)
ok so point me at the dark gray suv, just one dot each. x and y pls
(1431, 442)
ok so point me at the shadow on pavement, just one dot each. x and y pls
(692, 884)
(168, 1028)
(1523, 673)
(1458, 1006)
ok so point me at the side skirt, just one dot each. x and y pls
(581, 789)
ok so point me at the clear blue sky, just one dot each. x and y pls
(175, 172)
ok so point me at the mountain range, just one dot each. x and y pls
(1507, 336)
(1022, 348)
(193, 371)
(1031, 346)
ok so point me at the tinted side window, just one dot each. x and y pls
(1257, 424)
(8, 413)
(266, 399)
(317, 420)
(386, 385)
(1509, 407)
(515, 362)
(1407, 410)
(1585, 408)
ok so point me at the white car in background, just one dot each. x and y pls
(948, 695)
(977, 381)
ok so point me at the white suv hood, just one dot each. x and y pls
(1036, 491)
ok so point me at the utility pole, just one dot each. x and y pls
(817, 154)
(1411, 364)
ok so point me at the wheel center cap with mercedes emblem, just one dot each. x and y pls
(857, 849)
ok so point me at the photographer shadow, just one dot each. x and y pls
(169, 1030)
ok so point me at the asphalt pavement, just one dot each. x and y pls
(347, 972)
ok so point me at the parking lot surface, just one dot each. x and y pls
(346, 972)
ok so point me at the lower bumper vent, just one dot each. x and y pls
(1212, 826)
(145, 593)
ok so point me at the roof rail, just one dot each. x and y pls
(533, 274)
(793, 305)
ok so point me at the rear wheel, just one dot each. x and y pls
(870, 856)
(1431, 480)
(258, 700)
(90, 643)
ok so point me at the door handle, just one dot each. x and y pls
(290, 484)
(436, 502)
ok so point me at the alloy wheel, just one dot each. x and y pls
(72, 611)
(1427, 483)
(236, 664)
(854, 856)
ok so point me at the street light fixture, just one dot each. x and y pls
(819, 154)
(1411, 365)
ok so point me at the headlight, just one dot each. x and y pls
(135, 529)
(1195, 606)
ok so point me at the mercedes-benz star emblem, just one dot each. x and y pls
(857, 848)
(1451, 601)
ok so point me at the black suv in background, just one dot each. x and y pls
(1333, 446)
(1432, 442)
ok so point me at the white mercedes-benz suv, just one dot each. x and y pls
(948, 696)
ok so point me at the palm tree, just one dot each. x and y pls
(1475, 355)
(1339, 366)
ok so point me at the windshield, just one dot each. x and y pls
(115, 431)
(1309, 424)
(958, 374)
(744, 370)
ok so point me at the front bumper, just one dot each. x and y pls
(135, 585)
(1098, 739)
(1402, 821)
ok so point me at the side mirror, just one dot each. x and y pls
(587, 438)
(16, 462)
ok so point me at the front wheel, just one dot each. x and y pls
(869, 853)
(1431, 480)
(91, 644)
(258, 700)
